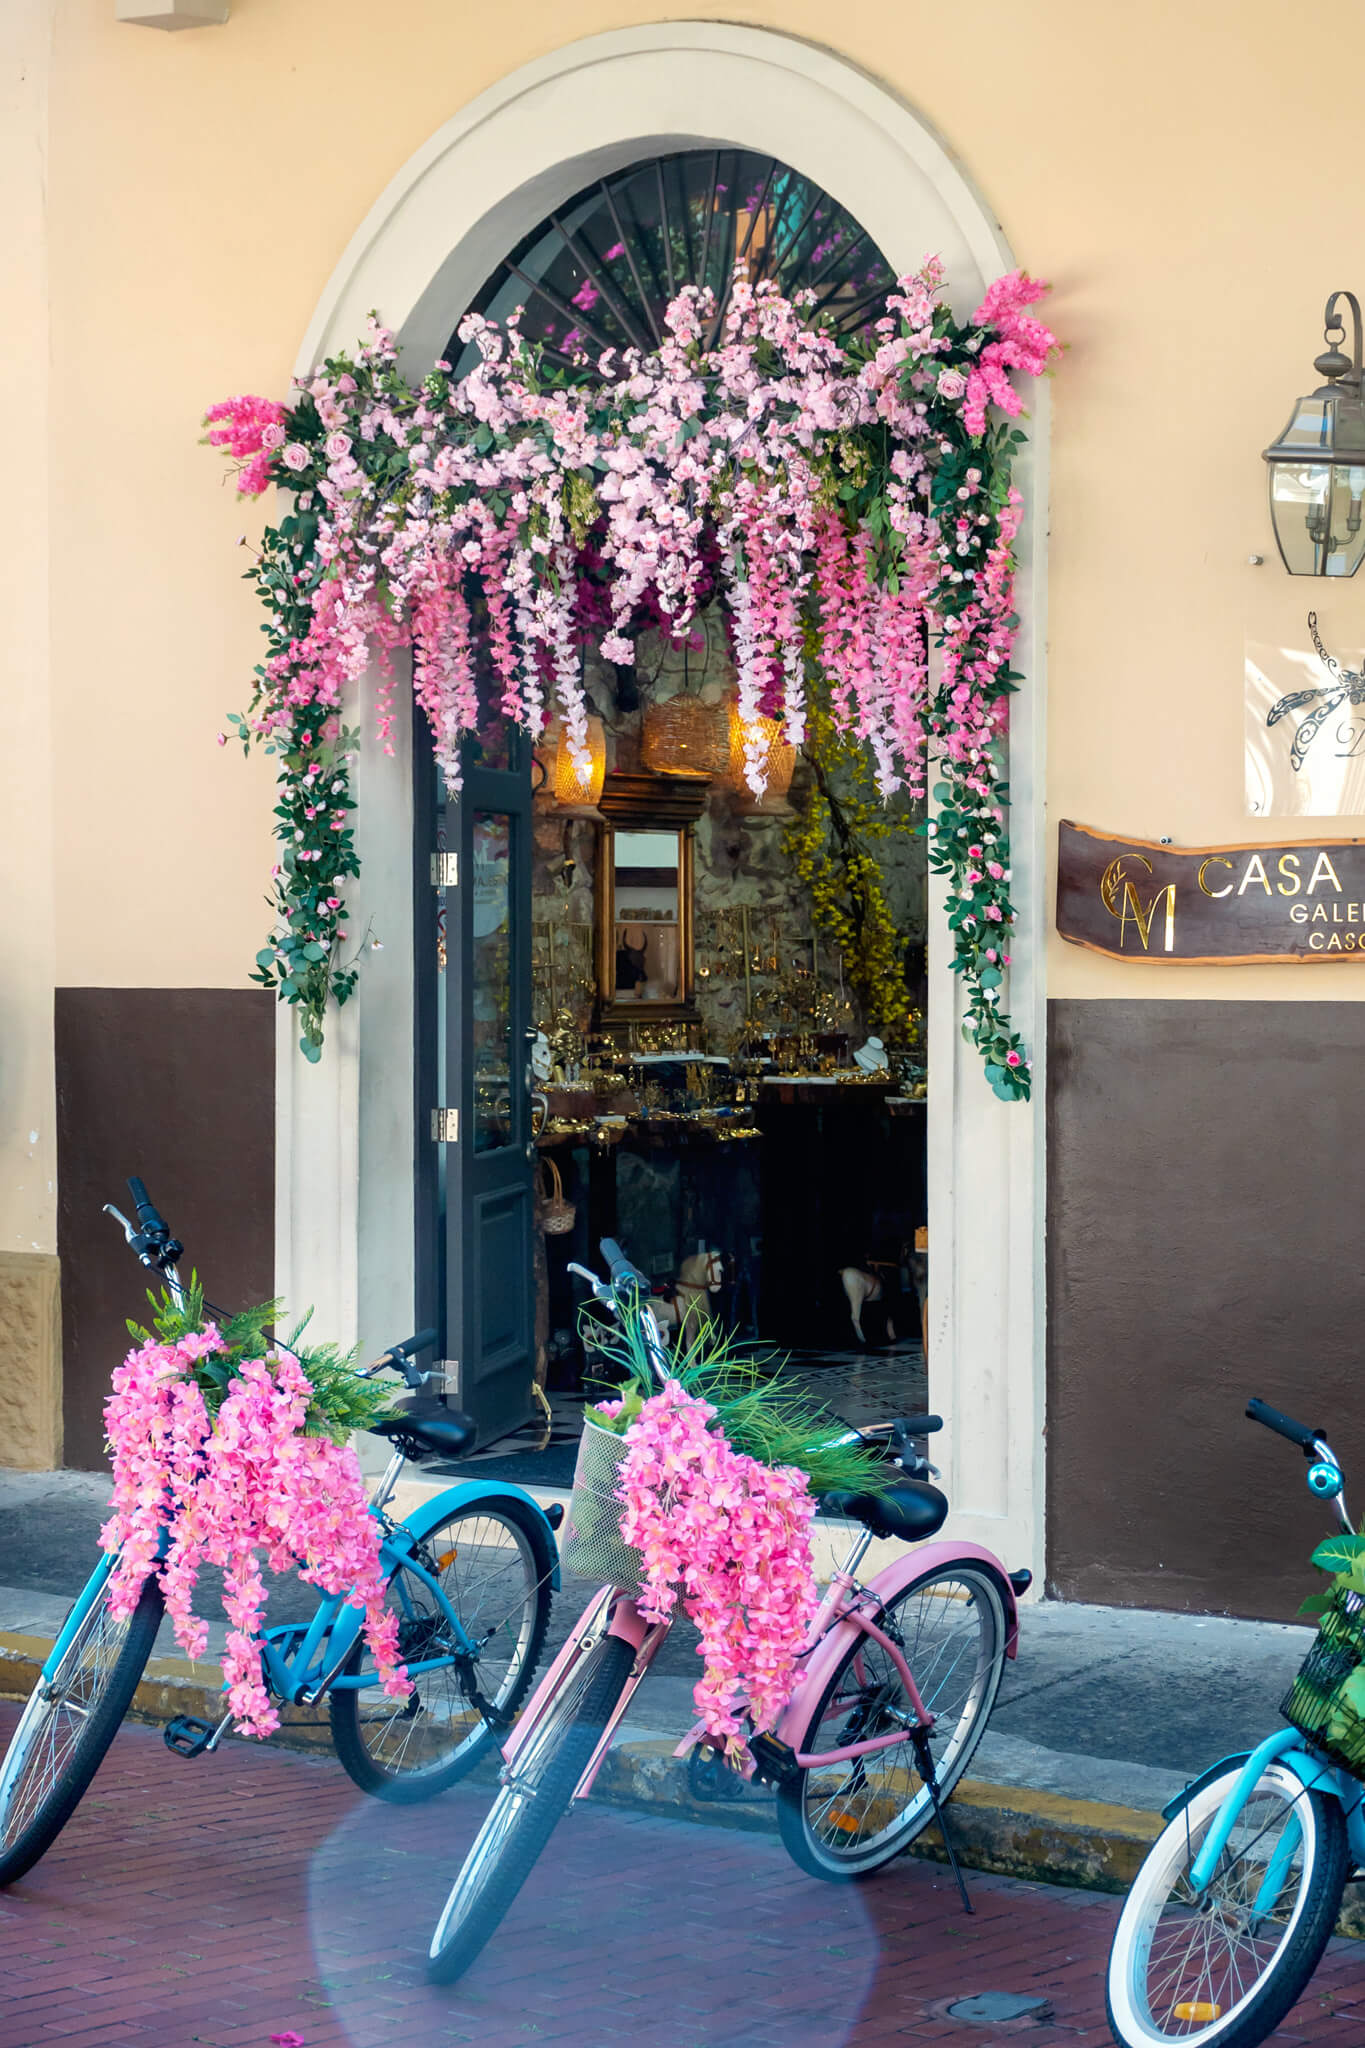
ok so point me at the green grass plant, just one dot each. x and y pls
(759, 1412)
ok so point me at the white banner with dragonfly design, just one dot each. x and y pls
(1305, 727)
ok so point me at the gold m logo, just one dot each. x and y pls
(1121, 900)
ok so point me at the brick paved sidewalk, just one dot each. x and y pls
(257, 1892)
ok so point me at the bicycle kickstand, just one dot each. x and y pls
(925, 1759)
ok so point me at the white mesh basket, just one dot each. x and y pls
(592, 1547)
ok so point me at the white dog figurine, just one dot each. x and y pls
(862, 1286)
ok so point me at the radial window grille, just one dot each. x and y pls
(599, 272)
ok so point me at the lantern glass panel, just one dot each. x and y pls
(1317, 509)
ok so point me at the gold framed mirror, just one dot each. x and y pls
(643, 910)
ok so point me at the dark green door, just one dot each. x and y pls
(485, 1207)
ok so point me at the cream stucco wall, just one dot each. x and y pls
(1157, 163)
(1160, 164)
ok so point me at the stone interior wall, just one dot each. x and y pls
(740, 863)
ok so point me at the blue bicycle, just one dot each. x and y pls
(470, 1576)
(1231, 1911)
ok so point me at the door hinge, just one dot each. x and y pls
(445, 871)
(445, 1126)
(446, 1379)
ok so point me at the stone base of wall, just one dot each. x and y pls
(30, 1361)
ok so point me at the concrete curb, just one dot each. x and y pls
(1015, 1830)
(1012, 1829)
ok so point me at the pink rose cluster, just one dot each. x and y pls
(733, 1536)
(235, 1490)
(252, 431)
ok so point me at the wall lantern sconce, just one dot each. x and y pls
(1317, 467)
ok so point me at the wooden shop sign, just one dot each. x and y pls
(1297, 899)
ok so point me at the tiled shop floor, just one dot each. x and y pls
(257, 1893)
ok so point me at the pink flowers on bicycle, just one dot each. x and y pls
(734, 1536)
(228, 1488)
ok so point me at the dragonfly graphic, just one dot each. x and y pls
(1347, 686)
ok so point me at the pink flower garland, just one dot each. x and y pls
(855, 480)
(226, 1488)
(734, 1535)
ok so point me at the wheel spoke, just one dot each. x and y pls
(486, 1568)
(950, 1632)
(1186, 1962)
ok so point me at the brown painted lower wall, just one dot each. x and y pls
(176, 1085)
(1206, 1241)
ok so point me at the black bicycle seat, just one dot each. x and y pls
(424, 1425)
(910, 1510)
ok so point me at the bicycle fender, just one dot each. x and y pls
(1312, 1772)
(424, 1519)
(1232, 1762)
(795, 1717)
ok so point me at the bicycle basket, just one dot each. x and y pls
(1317, 1703)
(592, 1547)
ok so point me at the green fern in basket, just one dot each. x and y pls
(341, 1402)
(761, 1414)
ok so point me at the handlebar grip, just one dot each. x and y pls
(618, 1265)
(142, 1201)
(918, 1425)
(411, 1345)
(1283, 1425)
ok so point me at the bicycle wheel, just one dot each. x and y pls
(1212, 1968)
(67, 1725)
(842, 1820)
(493, 1560)
(526, 1812)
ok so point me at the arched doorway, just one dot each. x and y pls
(712, 969)
(348, 1129)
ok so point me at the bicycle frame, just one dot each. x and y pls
(842, 1622)
(1286, 1747)
(303, 1661)
(839, 1623)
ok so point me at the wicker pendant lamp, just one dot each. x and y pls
(684, 737)
(776, 753)
(574, 789)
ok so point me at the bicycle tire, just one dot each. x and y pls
(521, 1822)
(823, 1815)
(27, 1831)
(387, 1751)
(1291, 1961)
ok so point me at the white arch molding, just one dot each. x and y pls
(345, 1128)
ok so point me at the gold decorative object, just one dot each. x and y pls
(684, 737)
(574, 789)
(777, 756)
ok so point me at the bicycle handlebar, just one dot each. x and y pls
(147, 1213)
(152, 1240)
(619, 1266)
(399, 1357)
(1284, 1425)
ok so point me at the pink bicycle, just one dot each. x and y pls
(900, 1676)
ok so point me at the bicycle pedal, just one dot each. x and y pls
(187, 1735)
(710, 1779)
(774, 1760)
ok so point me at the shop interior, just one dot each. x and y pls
(729, 1061)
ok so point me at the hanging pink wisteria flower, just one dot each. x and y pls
(236, 1489)
(732, 1537)
(849, 494)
